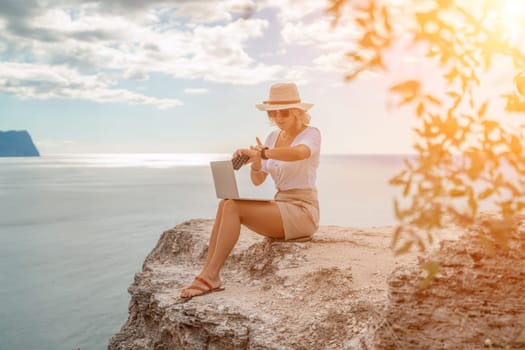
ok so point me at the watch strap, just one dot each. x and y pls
(263, 153)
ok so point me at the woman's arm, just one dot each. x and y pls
(256, 175)
(308, 144)
(289, 154)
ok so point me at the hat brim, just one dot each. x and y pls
(273, 107)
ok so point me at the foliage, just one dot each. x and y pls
(464, 158)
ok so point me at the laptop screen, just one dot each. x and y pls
(224, 179)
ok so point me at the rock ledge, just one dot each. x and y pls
(342, 290)
(323, 294)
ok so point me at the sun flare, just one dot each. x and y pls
(512, 8)
(512, 16)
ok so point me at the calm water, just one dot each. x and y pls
(75, 228)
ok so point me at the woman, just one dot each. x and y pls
(291, 156)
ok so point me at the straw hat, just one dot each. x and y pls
(283, 96)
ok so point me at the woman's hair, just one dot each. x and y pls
(299, 114)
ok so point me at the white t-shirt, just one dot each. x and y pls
(299, 174)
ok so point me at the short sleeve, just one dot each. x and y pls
(311, 137)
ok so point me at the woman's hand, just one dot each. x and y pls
(251, 153)
(259, 147)
(254, 153)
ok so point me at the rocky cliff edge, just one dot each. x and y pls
(342, 290)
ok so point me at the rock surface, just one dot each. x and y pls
(17, 144)
(327, 293)
(330, 293)
(476, 301)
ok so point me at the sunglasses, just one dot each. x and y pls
(285, 113)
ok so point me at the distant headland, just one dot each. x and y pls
(17, 144)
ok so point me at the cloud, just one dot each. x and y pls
(295, 10)
(34, 81)
(306, 24)
(196, 90)
(157, 41)
(320, 34)
(61, 50)
(19, 9)
(136, 74)
(332, 62)
(133, 40)
(215, 11)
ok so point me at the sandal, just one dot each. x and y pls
(207, 290)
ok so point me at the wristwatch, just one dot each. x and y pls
(263, 153)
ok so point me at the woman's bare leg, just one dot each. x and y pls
(213, 237)
(261, 217)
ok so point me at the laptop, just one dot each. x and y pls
(226, 183)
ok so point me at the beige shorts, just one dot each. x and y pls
(299, 212)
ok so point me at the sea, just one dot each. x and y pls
(75, 228)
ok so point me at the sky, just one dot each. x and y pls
(130, 76)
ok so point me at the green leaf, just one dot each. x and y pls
(433, 100)
(450, 76)
(362, 22)
(472, 203)
(397, 211)
(483, 109)
(490, 125)
(386, 19)
(430, 238)
(354, 74)
(485, 194)
(405, 248)
(486, 243)
(406, 100)
(457, 181)
(396, 236)
(420, 109)
(515, 145)
(408, 87)
(398, 179)
(408, 185)
(355, 56)
(432, 268)
(457, 192)
(367, 40)
(420, 244)
(453, 94)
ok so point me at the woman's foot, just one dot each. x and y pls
(200, 286)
